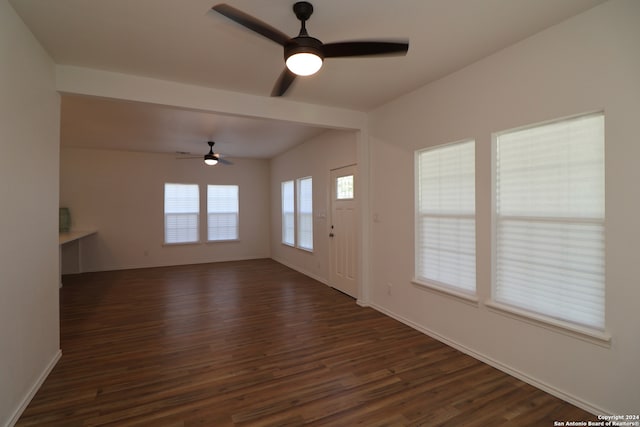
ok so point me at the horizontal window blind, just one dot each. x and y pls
(288, 225)
(222, 212)
(305, 213)
(181, 211)
(445, 217)
(550, 220)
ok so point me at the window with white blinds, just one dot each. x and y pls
(445, 216)
(181, 211)
(222, 212)
(288, 213)
(305, 213)
(549, 223)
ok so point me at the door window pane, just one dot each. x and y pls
(344, 187)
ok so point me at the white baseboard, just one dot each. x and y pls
(301, 270)
(574, 400)
(33, 390)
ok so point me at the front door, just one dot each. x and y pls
(343, 232)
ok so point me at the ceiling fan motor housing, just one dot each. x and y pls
(303, 44)
(303, 10)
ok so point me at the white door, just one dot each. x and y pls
(343, 231)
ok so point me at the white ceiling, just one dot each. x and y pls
(90, 122)
(184, 41)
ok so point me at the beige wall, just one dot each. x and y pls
(29, 129)
(121, 194)
(588, 63)
(315, 158)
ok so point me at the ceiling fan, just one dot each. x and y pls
(210, 158)
(304, 54)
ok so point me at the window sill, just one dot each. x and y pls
(182, 244)
(297, 247)
(593, 336)
(222, 241)
(462, 296)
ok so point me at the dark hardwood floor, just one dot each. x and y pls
(256, 343)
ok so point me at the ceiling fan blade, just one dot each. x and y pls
(254, 24)
(222, 160)
(283, 83)
(364, 48)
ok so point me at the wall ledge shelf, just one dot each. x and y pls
(70, 236)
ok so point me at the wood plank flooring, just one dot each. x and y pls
(256, 343)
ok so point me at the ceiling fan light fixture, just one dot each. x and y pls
(303, 55)
(210, 160)
(304, 63)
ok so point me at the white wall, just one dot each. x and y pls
(315, 158)
(588, 63)
(121, 194)
(29, 129)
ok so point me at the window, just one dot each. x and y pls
(288, 224)
(297, 213)
(344, 187)
(181, 211)
(445, 217)
(305, 213)
(222, 212)
(549, 220)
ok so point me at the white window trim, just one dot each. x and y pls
(592, 335)
(237, 215)
(298, 214)
(164, 218)
(282, 241)
(447, 290)
(601, 338)
(182, 243)
(459, 294)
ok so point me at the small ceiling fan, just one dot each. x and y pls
(210, 158)
(304, 54)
